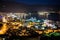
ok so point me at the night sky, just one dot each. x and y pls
(42, 2)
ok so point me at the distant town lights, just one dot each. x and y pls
(42, 13)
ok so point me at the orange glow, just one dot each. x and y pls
(4, 29)
(40, 32)
(56, 30)
(29, 26)
(48, 31)
(59, 30)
